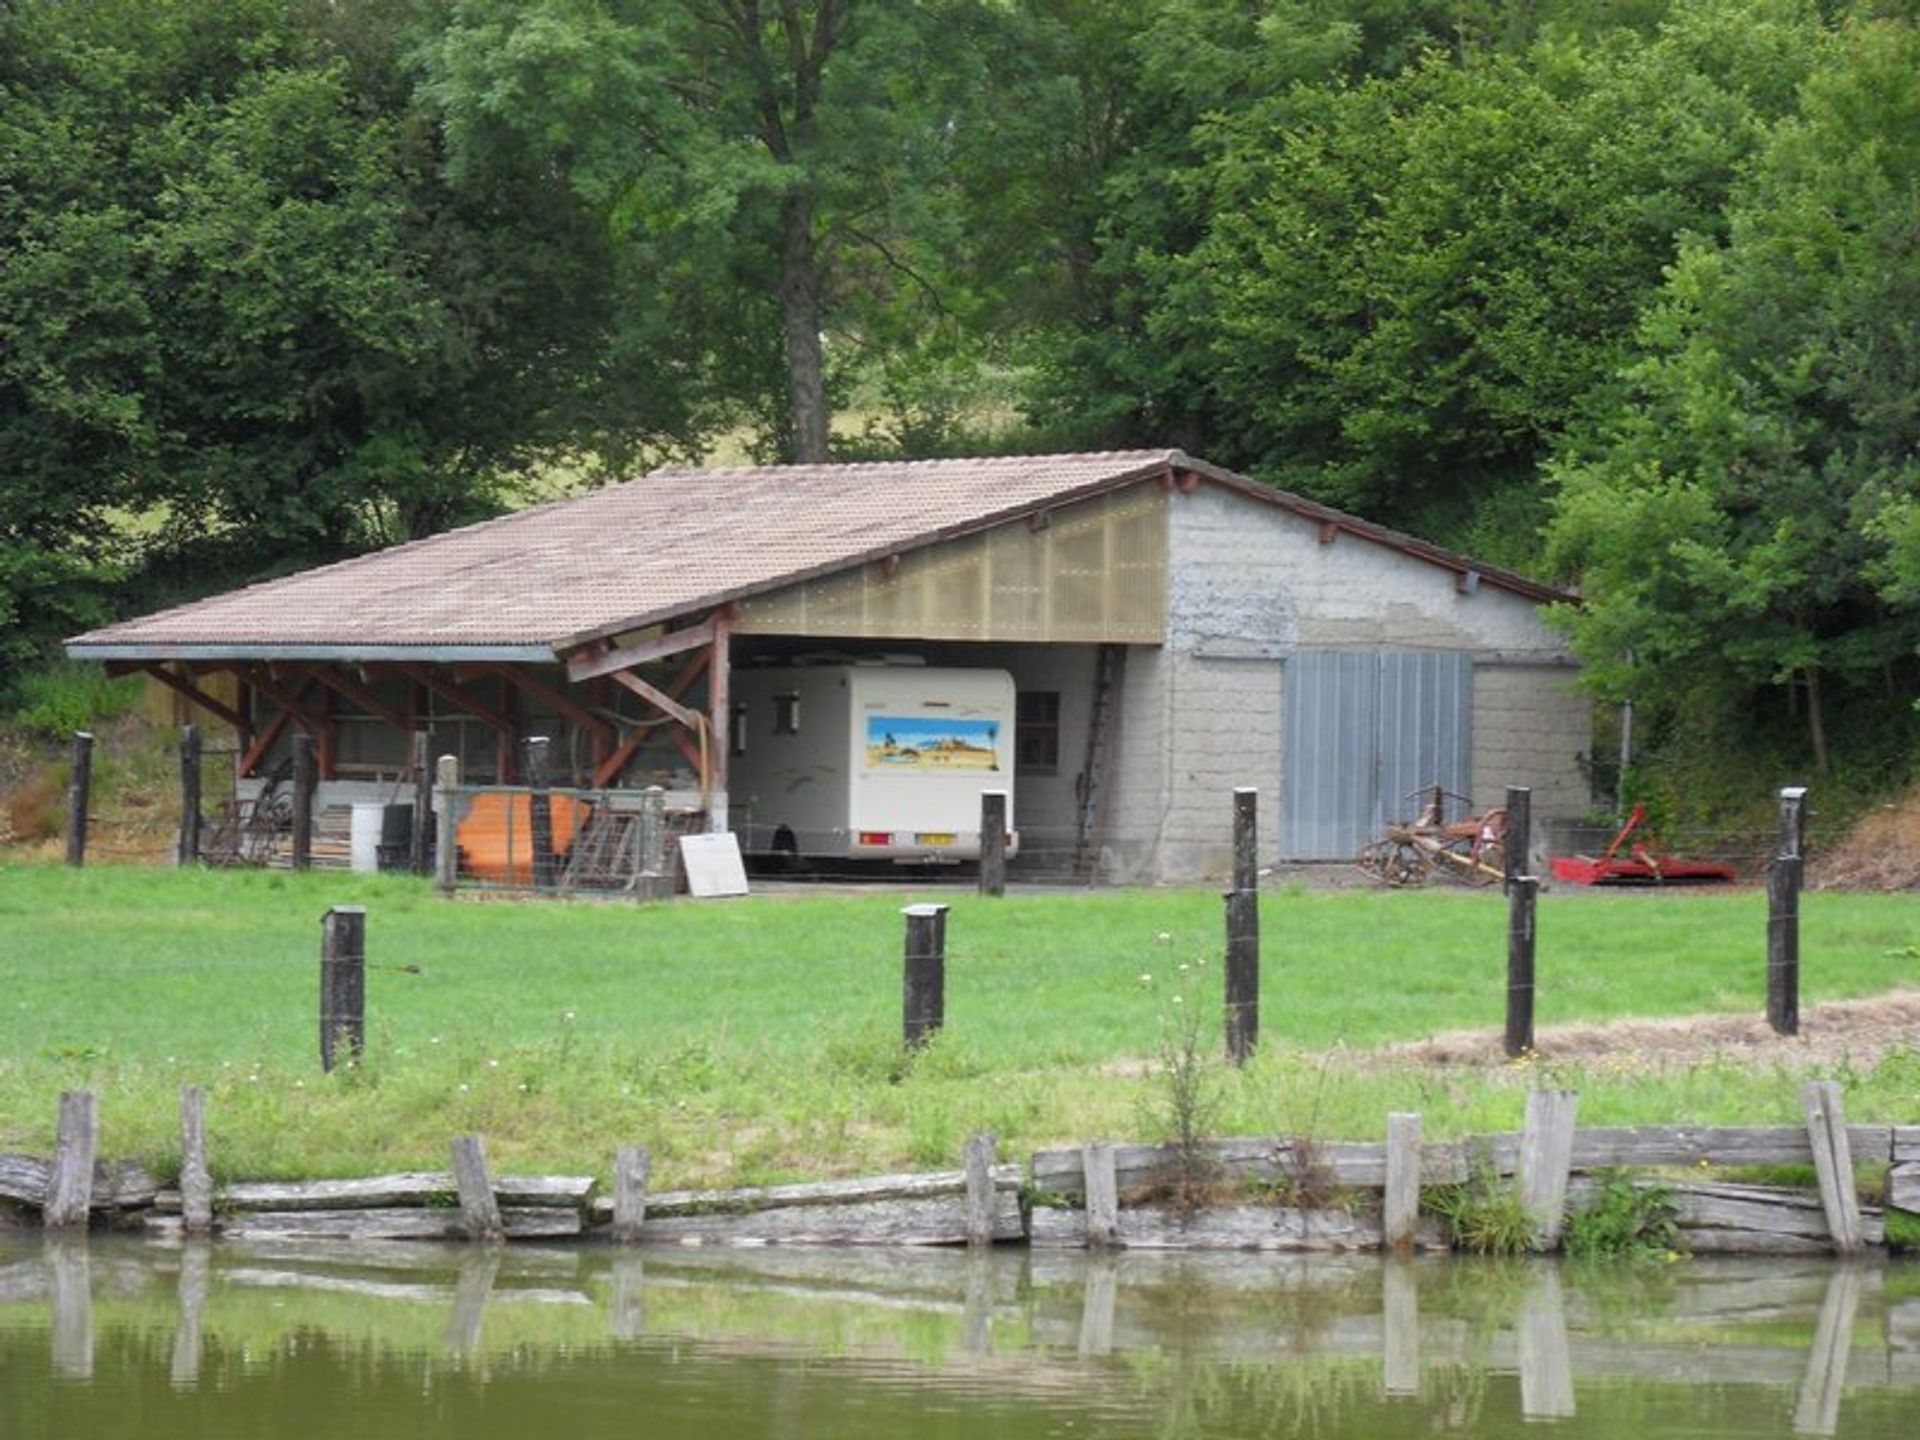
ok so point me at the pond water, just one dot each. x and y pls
(107, 1339)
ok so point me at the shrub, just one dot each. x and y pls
(1624, 1218)
(51, 704)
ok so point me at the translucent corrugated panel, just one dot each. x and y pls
(1095, 571)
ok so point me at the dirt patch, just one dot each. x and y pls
(1860, 1031)
(1881, 852)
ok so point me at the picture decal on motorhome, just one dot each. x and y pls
(902, 742)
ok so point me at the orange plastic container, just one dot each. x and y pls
(496, 835)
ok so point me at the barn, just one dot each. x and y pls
(1172, 630)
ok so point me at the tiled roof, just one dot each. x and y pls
(670, 543)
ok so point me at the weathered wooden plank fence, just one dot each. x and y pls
(1267, 1193)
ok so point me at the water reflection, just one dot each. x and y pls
(787, 1342)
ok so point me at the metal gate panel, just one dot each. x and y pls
(1425, 728)
(1363, 729)
(1328, 787)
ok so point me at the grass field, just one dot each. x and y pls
(759, 1039)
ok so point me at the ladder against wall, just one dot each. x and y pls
(1096, 780)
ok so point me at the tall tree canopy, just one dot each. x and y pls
(242, 303)
(1744, 520)
(790, 170)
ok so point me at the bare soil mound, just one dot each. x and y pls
(1881, 852)
(1860, 1031)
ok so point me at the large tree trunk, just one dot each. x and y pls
(800, 324)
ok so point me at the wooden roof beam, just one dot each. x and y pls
(658, 698)
(610, 659)
(449, 692)
(559, 703)
(359, 695)
(194, 693)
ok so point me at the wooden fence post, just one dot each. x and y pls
(1784, 875)
(993, 842)
(420, 760)
(1522, 900)
(302, 800)
(79, 797)
(632, 1165)
(70, 1180)
(343, 984)
(980, 1194)
(1546, 1160)
(446, 797)
(1243, 931)
(196, 1183)
(1401, 1202)
(479, 1209)
(1833, 1163)
(540, 811)
(1103, 1195)
(924, 982)
(1517, 849)
(656, 881)
(188, 850)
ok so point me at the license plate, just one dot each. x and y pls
(940, 838)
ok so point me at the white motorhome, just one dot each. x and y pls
(883, 761)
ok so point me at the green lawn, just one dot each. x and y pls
(758, 1039)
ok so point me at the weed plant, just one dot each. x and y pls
(1624, 1219)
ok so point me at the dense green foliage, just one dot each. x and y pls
(1620, 294)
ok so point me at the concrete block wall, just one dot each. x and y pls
(1530, 726)
(1249, 584)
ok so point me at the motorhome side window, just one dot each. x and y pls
(1036, 732)
(786, 712)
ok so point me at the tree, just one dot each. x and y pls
(1742, 518)
(787, 167)
(1408, 285)
(247, 321)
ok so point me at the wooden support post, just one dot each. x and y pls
(1522, 899)
(343, 985)
(924, 984)
(196, 1181)
(79, 797)
(1793, 821)
(1401, 1204)
(993, 842)
(302, 800)
(540, 812)
(446, 799)
(1546, 1159)
(653, 841)
(188, 850)
(1400, 1315)
(1517, 849)
(980, 1206)
(70, 1180)
(1783, 944)
(1243, 931)
(1103, 1195)
(720, 726)
(420, 762)
(1833, 1163)
(632, 1165)
(479, 1210)
(1246, 839)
